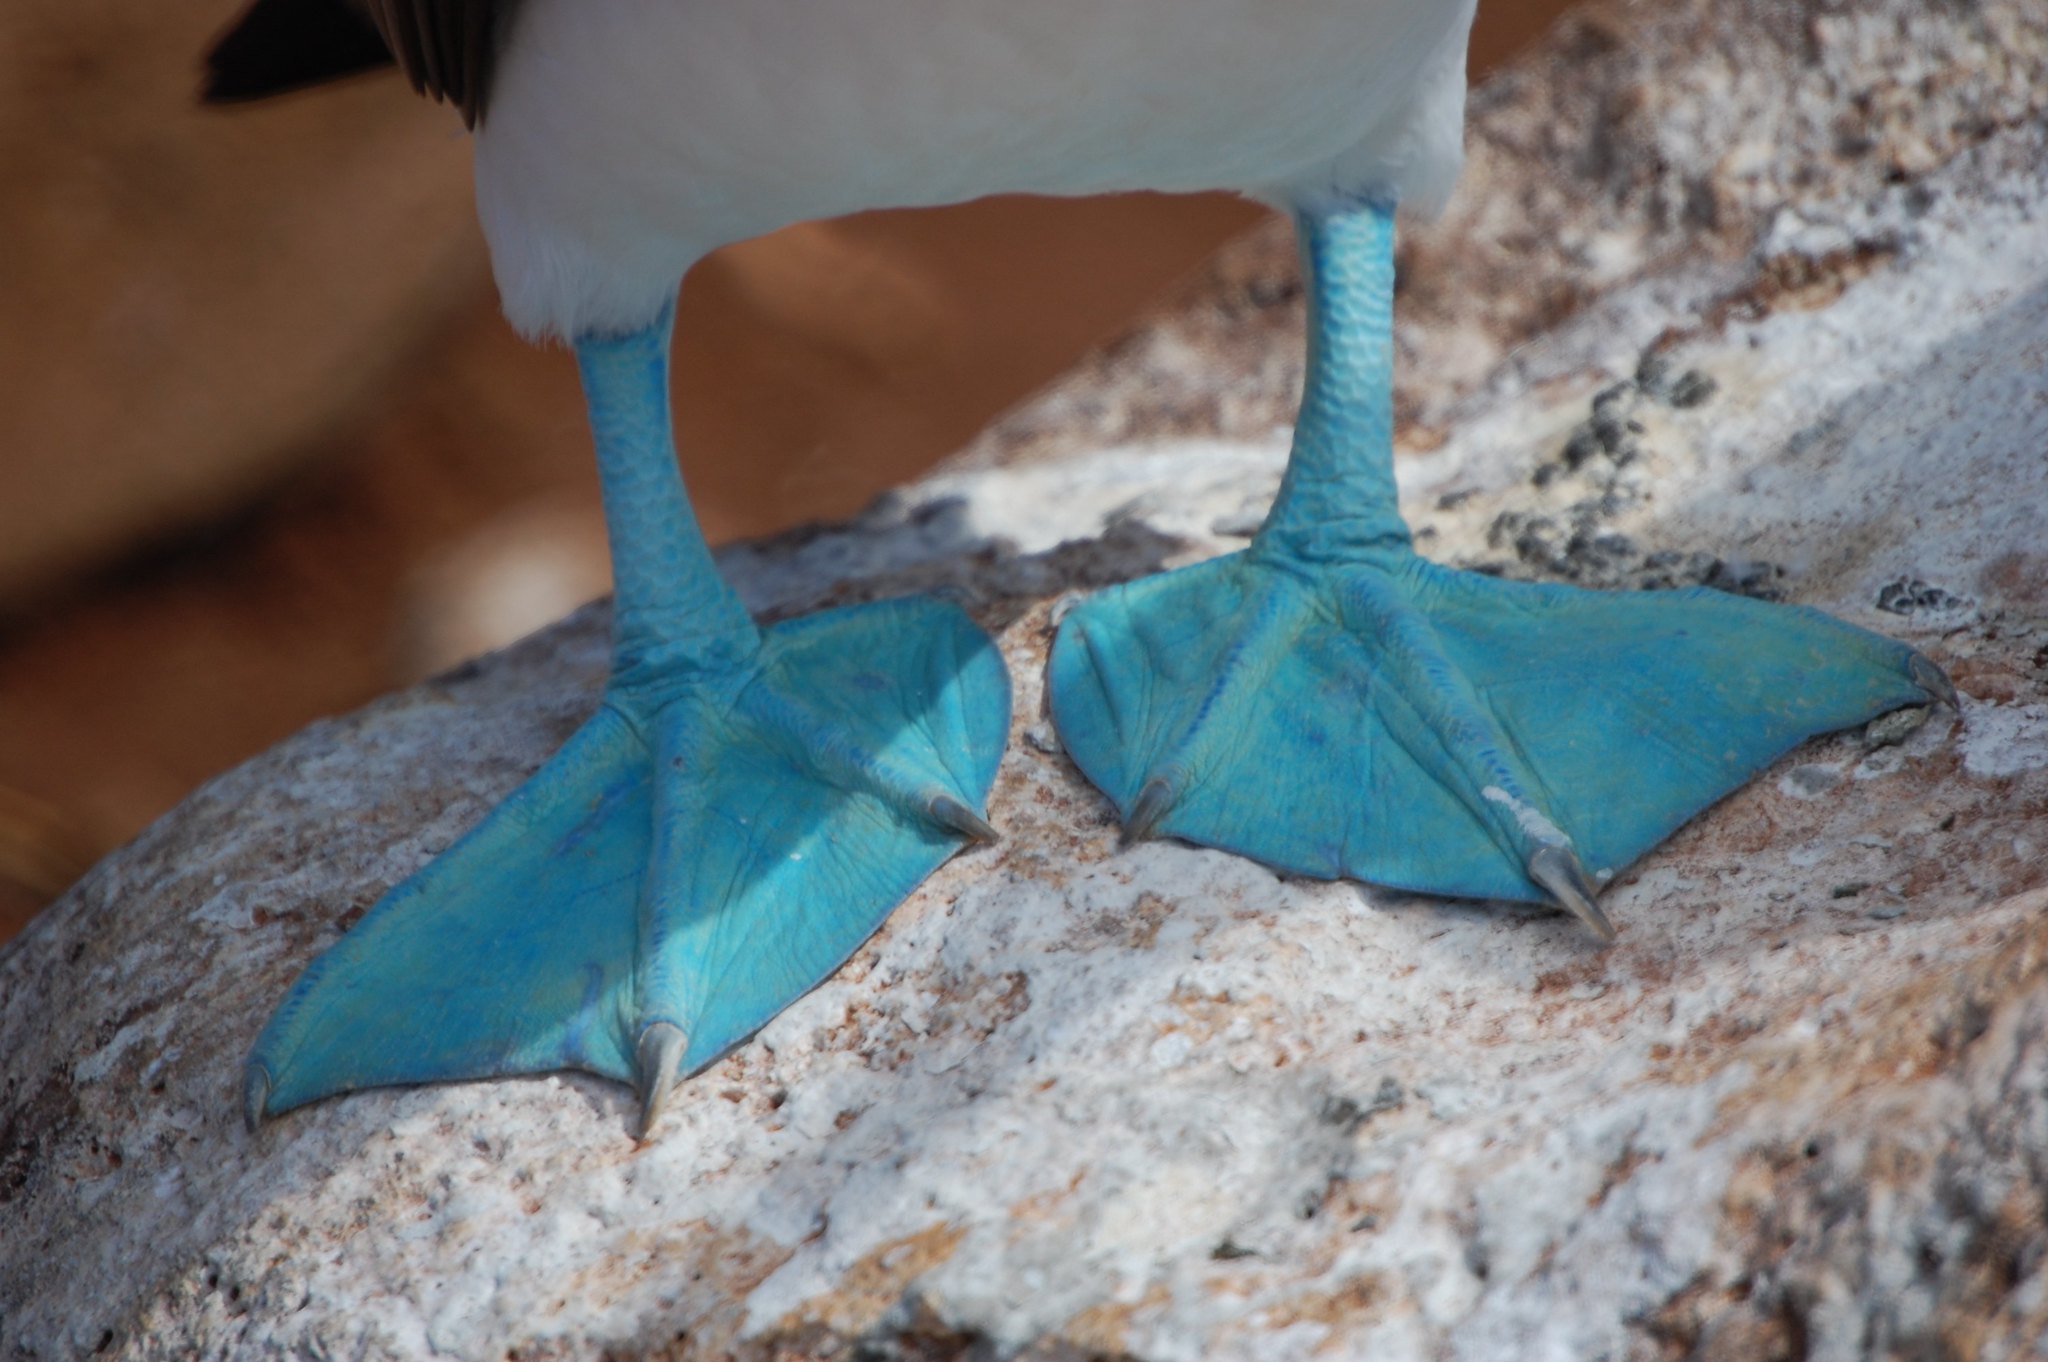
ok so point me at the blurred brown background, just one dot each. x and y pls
(267, 450)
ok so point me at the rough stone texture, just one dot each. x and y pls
(1077, 1101)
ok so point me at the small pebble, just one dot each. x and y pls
(1889, 730)
(1810, 780)
(1692, 389)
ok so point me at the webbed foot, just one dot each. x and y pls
(1331, 704)
(741, 813)
(1441, 731)
(698, 856)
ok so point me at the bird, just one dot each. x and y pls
(748, 805)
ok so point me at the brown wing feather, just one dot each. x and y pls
(476, 56)
(444, 46)
(430, 49)
(398, 36)
(448, 37)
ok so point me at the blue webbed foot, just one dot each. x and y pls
(1331, 704)
(741, 813)
(1441, 731)
(700, 854)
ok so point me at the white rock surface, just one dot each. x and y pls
(1077, 1101)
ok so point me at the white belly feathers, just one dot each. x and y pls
(626, 138)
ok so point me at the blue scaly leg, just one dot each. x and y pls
(1333, 705)
(740, 814)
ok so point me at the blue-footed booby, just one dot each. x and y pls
(748, 804)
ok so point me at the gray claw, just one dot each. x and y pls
(1935, 682)
(949, 812)
(255, 1096)
(1557, 869)
(1155, 801)
(655, 1060)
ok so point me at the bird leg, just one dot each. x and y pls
(1332, 704)
(741, 813)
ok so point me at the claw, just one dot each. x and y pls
(654, 1065)
(1155, 801)
(255, 1096)
(949, 812)
(1557, 869)
(1935, 682)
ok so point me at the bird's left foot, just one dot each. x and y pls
(1332, 704)
(1387, 719)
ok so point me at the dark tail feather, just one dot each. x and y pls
(280, 45)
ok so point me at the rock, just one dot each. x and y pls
(1078, 1101)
